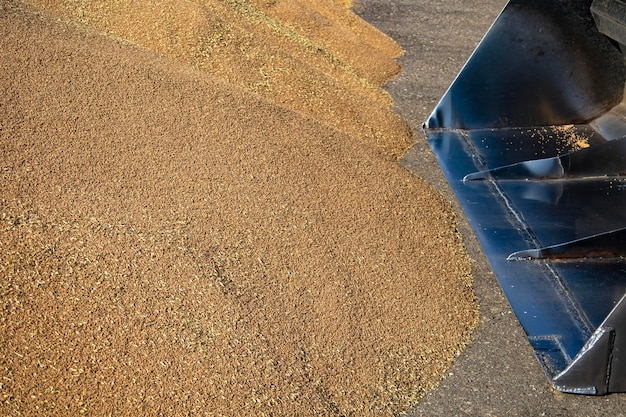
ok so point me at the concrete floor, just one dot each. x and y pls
(498, 374)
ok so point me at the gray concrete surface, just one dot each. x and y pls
(497, 375)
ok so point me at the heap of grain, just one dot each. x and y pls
(201, 213)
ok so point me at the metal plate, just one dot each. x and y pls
(541, 91)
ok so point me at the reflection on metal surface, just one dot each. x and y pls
(606, 246)
(607, 159)
(532, 139)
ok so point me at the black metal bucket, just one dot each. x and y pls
(532, 139)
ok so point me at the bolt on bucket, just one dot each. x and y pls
(532, 139)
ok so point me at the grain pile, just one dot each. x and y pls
(334, 77)
(178, 238)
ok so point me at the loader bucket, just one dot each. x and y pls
(532, 139)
